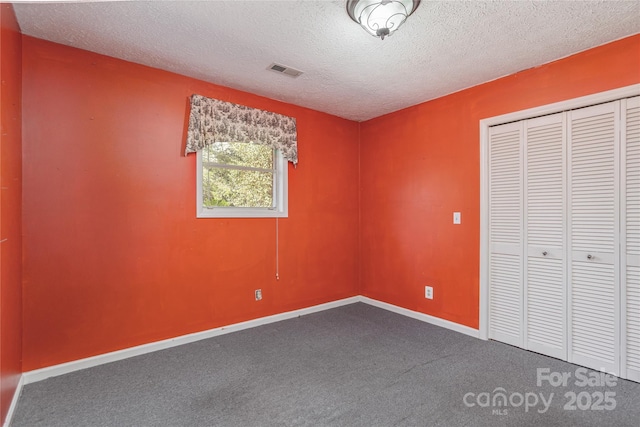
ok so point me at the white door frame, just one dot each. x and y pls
(584, 101)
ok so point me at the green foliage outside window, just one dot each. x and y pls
(224, 185)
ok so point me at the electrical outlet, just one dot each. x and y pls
(428, 292)
(258, 294)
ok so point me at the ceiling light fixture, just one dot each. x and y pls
(381, 18)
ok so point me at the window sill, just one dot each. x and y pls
(241, 213)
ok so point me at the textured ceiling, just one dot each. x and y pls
(443, 47)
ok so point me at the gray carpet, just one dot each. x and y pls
(351, 366)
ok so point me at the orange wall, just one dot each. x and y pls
(421, 164)
(10, 208)
(114, 256)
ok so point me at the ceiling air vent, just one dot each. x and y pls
(291, 72)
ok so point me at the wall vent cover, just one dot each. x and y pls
(283, 69)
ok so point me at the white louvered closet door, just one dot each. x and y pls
(544, 212)
(631, 236)
(505, 234)
(593, 268)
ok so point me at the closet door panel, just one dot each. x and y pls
(633, 323)
(545, 314)
(505, 234)
(594, 315)
(593, 235)
(545, 307)
(631, 236)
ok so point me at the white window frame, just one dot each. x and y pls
(281, 196)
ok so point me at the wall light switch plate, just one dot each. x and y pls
(258, 294)
(428, 292)
(456, 217)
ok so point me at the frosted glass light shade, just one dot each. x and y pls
(381, 18)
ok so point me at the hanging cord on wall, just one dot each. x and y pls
(277, 250)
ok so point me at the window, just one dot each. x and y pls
(241, 180)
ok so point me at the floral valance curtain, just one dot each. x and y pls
(212, 120)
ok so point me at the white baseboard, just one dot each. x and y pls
(422, 317)
(76, 365)
(14, 402)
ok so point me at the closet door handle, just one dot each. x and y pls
(544, 253)
(589, 256)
